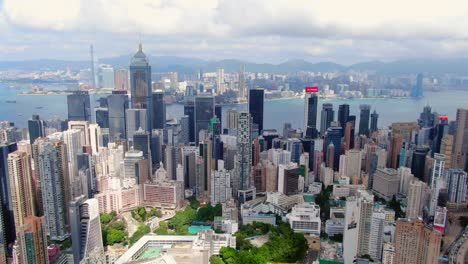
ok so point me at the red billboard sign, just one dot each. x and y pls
(312, 89)
(443, 118)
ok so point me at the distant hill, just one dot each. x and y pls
(193, 65)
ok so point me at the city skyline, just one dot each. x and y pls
(219, 29)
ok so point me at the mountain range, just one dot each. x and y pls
(192, 65)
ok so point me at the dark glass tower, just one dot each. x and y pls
(35, 128)
(159, 110)
(418, 89)
(327, 116)
(204, 111)
(102, 117)
(5, 192)
(189, 110)
(440, 131)
(364, 119)
(418, 162)
(311, 105)
(79, 108)
(256, 98)
(374, 121)
(343, 114)
(333, 136)
(117, 106)
(140, 84)
(219, 114)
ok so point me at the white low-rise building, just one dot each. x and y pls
(305, 218)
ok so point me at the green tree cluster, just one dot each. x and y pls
(140, 214)
(141, 231)
(283, 246)
(162, 229)
(113, 230)
(208, 212)
(182, 219)
(396, 206)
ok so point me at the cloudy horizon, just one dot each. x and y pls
(256, 30)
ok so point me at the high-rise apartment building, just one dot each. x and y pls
(460, 148)
(36, 128)
(415, 199)
(416, 243)
(31, 243)
(244, 152)
(457, 182)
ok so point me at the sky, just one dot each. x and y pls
(270, 31)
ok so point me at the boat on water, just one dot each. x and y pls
(39, 107)
(10, 102)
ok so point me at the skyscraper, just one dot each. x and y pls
(189, 110)
(79, 107)
(3, 242)
(121, 79)
(53, 171)
(310, 115)
(457, 181)
(416, 243)
(220, 81)
(5, 191)
(374, 121)
(256, 100)
(86, 231)
(106, 76)
(415, 199)
(333, 135)
(460, 151)
(159, 110)
(36, 128)
(364, 119)
(22, 198)
(141, 141)
(418, 89)
(102, 117)
(343, 114)
(327, 116)
(74, 142)
(242, 85)
(419, 162)
(140, 85)
(204, 111)
(31, 244)
(136, 119)
(244, 148)
(117, 104)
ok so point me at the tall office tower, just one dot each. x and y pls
(204, 182)
(446, 148)
(436, 182)
(232, 117)
(95, 138)
(366, 207)
(326, 119)
(121, 79)
(416, 243)
(244, 153)
(117, 104)
(204, 111)
(440, 130)
(220, 81)
(242, 86)
(330, 158)
(93, 70)
(86, 175)
(3, 242)
(106, 76)
(256, 100)
(156, 148)
(334, 135)
(86, 231)
(102, 117)
(418, 162)
(415, 199)
(136, 119)
(364, 119)
(460, 150)
(79, 106)
(457, 181)
(53, 171)
(396, 143)
(418, 89)
(376, 235)
(221, 190)
(189, 110)
(184, 130)
(351, 229)
(219, 114)
(73, 138)
(141, 141)
(5, 191)
(215, 126)
(140, 86)
(288, 178)
(294, 145)
(310, 115)
(426, 118)
(159, 110)
(31, 244)
(353, 164)
(22, 198)
(343, 115)
(36, 128)
(374, 122)
(348, 136)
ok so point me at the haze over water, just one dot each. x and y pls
(276, 113)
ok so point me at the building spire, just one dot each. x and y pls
(140, 48)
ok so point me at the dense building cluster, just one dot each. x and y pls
(383, 193)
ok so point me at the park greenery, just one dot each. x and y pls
(113, 229)
(283, 246)
(181, 221)
(140, 214)
(141, 231)
(395, 205)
